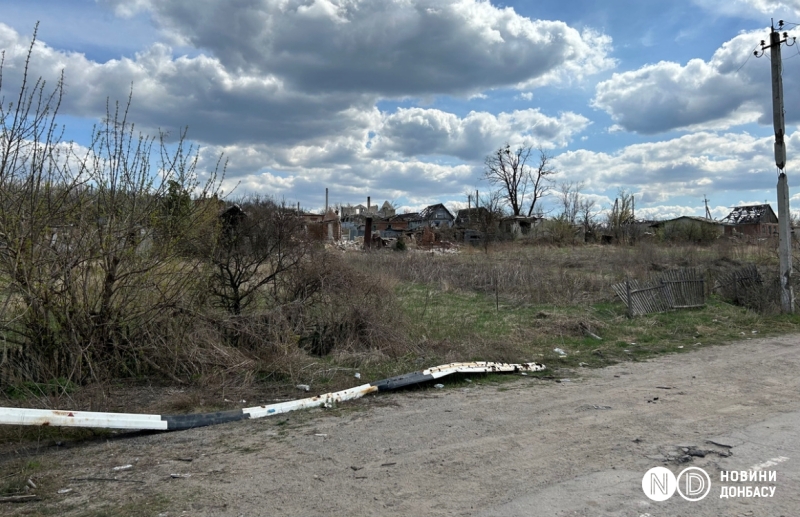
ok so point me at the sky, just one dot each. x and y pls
(402, 100)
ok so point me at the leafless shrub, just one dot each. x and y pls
(259, 243)
(86, 287)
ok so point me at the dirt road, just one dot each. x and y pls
(530, 447)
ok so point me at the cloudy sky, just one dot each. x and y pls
(401, 100)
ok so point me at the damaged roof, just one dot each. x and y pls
(751, 214)
(430, 211)
(406, 217)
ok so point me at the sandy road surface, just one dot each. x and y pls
(531, 447)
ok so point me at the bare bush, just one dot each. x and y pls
(258, 243)
(87, 289)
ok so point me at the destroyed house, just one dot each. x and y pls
(387, 210)
(231, 218)
(753, 220)
(437, 216)
(325, 226)
(474, 218)
(687, 227)
(392, 227)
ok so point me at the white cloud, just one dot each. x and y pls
(662, 212)
(296, 173)
(692, 165)
(392, 48)
(169, 93)
(417, 131)
(730, 89)
(127, 8)
(756, 9)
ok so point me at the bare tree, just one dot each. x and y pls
(621, 216)
(569, 197)
(520, 183)
(258, 244)
(541, 180)
(586, 210)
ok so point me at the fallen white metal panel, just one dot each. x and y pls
(326, 400)
(482, 367)
(44, 417)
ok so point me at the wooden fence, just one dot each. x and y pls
(676, 289)
(739, 285)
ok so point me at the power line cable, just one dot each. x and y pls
(749, 55)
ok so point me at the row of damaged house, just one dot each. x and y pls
(388, 224)
(472, 224)
(476, 224)
(748, 221)
(467, 225)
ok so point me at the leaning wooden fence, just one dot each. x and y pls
(739, 285)
(676, 289)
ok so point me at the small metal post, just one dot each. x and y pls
(368, 233)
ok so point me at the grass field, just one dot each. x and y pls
(416, 309)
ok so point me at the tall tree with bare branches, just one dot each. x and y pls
(520, 183)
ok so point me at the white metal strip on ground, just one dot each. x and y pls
(44, 417)
(326, 400)
(482, 367)
(17, 416)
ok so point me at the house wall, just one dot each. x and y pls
(756, 231)
(440, 218)
(329, 230)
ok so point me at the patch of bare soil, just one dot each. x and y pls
(580, 445)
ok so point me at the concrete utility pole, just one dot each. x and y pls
(784, 221)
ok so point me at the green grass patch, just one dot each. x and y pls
(60, 386)
(477, 326)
